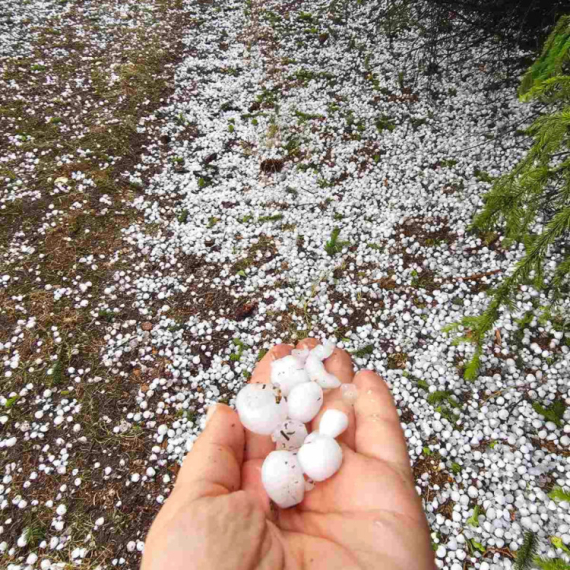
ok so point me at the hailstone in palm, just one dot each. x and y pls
(316, 369)
(305, 401)
(282, 478)
(320, 456)
(288, 372)
(333, 423)
(290, 435)
(261, 408)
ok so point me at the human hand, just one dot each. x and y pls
(366, 516)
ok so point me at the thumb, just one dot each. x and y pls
(213, 466)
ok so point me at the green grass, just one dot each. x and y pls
(456, 468)
(473, 520)
(261, 354)
(547, 564)
(483, 176)
(527, 552)
(334, 245)
(274, 218)
(364, 351)
(558, 494)
(384, 123)
(442, 396)
(553, 413)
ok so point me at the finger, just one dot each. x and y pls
(378, 431)
(260, 446)
(213, 466)
(253, 485)
(339, 364)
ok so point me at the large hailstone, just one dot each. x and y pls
(282, 478)
(316, 369)
(301, 353)
(290, 435)
(324, 350)
(333, 423)
(288, 372)
(305, 401)
(261, 408)
(320, 456)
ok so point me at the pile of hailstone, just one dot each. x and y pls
(281, 409)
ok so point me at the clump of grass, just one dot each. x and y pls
(384, 123)
(241, 346)
(375, 246)
(183, 217)
(456, 468)
(553, 413)
(305, 75)
(527, 552)
(304, 117)
(473, 520)
(212, 221)
(364, 351)
(334, 245)
(57, 373)
(441, 396)
(106, 315)
(548, 564)
(559, 494)
(35, 533)
(261, 354)
(11, 401)
(274, 218)
(483, 176)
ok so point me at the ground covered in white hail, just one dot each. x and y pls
(185, 185)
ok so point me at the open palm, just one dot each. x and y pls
(366, 516)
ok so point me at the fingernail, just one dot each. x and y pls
(210, 413)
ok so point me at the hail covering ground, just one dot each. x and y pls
(130, 301)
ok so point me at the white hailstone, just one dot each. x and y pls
(290, 435)
(261, 408)
(324, 350)
(61, 510)
(32, 558)
(283, 479)
(287, 373)
(349, 393)
(316, 369)
(131, 546)
(45, 564)
(99, 521)
(301, 354)
(22, 540)
(333, 423)
(150, 472)
(320, 456)
(135, 477)
(305, 401)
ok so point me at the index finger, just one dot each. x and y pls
(378, 431)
